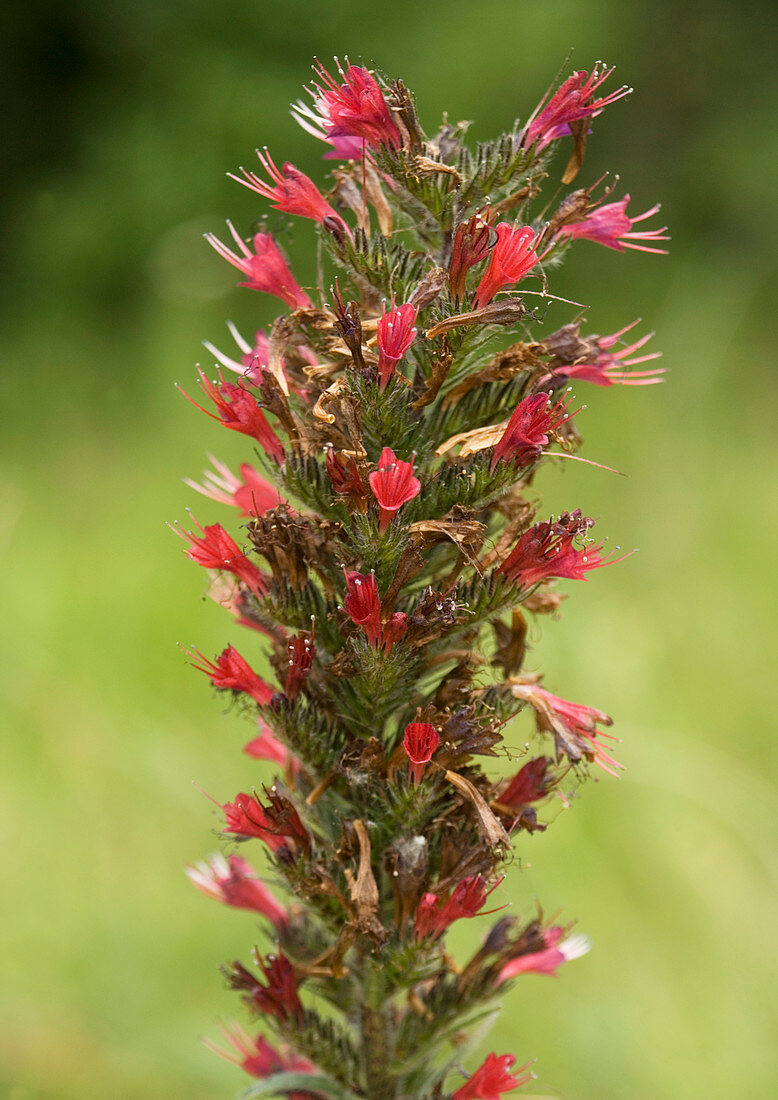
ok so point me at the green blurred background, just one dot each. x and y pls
(121, 121)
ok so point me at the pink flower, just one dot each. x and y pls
(611, 226)
(574, 100)
(257, 1057)
(216, 550)
(604, 367)
(292, 191)
(393, 485)
(254, 361)
(528, 428)
(530, 784)
(550, 958)
(473, 241)
(546, 550)
(493, 1078)
(574, 725)
(435, 914)
(395, 335)
(512, 257)
(319, 125)
(354, 109)
(250, 493)
(363, 604)
(231, 672)
(265, 268)
(420, 741)
(265, 746)
(279, 997)
(238, 411)
(234, 882)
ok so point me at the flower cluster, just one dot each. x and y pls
(385, 559)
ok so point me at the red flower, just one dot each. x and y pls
(317, 123)
(574, 725)
(279, 997)
(267, 747)
(434, 914)
(574, 100)
(604, 367)
(420, 741)
(216, 550)
(512, 257)
(246, 817)
(301, 652)
(293, 192)
(234, 882)
(363, 604)
(492, 1079)
(231, 672)
(346, 479)
(238, 411)
(546, 550)
(550, 958)
(253, 363)
(611, 226)
(527, 433)
(265, 268)
(252, 495)
(257, 1057)
(354, 109)
(473, 241)
(393, 485)
(395, 335)
(530, 784)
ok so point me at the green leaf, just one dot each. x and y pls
(280, 1084)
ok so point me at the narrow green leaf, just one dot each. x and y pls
(279, 1084)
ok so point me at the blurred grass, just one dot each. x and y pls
(122, 123)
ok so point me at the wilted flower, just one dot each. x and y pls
(598, 364)
(279, 996)
(574, 725)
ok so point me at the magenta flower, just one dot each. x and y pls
(319, 125)
(574, 725)
(249, 493)
(231, 672)
(549, 958)
(512, 257)
(238, 411)
(216, 550)
(604, 367)
(420, 741)
(546, 550)
(574, 100)
(265, 268)
(257, 1057)
(265, 746)
(254, 360)
(610, 225)
(393, 485)
(354, 109)
(528, 429)
(234, 882)
(292, 191)
(493, 1078)
(395, 335)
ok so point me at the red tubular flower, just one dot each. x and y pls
(216, 550)
(420, 741)
(234, 882)
(265, 268)
(610, 225)
(279, 997)
(513, 256)
(493, 1078)
(574, 725)
(528, 428)
(434, 915)
(301, 652)
(546, 550)
(238, 411)
(250, 493)
(473, 241)
(530, 784)
(363, 604)
(550, 958)
(574, 100)
(257, 1057)
(356, 108)
(604, 367)
(393, 630)
(267, 747)
(395, 335)
(293, 192)
(393, 485)
(231, 672)
(246, 817)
